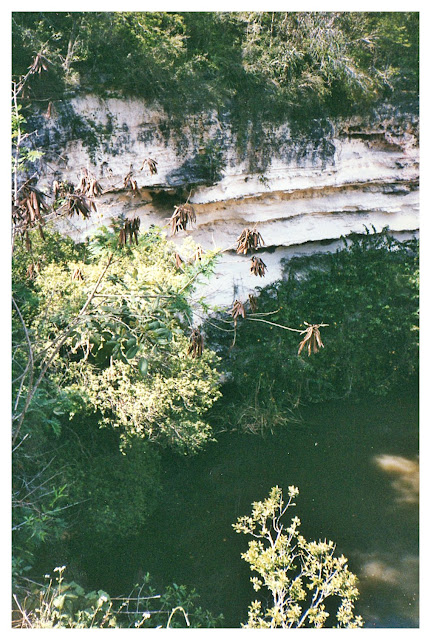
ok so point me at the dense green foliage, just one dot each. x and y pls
(252, 64)
(368, 295)
(100, 338)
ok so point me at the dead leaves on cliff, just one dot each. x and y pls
(88, 185)
(183, 215)
(77, 203)
(77, 200)
(151, 164)
(129, 181)
(249, 239)
(258, 267)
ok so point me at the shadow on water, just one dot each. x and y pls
(356, 466)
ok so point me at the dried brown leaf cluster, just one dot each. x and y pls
(39, 64)
(183, 215)
(249, 239)
(178, 261)
(88, 185)
(129, 232)
(151, 164)
(237, 310)
(31, 205)
(312, 339)
(196, 343)
(79, 200)
(77, 275)
(198, 253)
(129, 181)
(78, 203)
(252, 300)
(258, 267)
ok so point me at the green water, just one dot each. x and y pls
(355, 466)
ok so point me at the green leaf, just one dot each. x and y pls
(131, 353)
(143, 366)
(155, 324)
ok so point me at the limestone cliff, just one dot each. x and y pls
(301, 188)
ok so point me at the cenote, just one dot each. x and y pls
(356, 466)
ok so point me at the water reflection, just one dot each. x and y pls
(389, 575)
(394, 577)
(406, 476)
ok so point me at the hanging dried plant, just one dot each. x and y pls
(258, 267)
(182, 216)
(61, 189)
(249, 239)
(39, 64)
(28, 211)
(77, 274)
(94, 189)
(196, 343)
(131, 228)
(312, 339)
(237, 310)
(128, 181)
(127, 231)
(152, 165)
(79, 204)
(83, 182)
(252, 300)
(198, 253)
(178, 261)
(31, 204)
(88, 185)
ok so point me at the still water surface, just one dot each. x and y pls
(356, 466)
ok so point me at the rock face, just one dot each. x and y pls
(303, 190)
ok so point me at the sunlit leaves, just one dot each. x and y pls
(299, 575)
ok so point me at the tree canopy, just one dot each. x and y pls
(267, 63)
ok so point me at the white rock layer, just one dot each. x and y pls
(298, 201)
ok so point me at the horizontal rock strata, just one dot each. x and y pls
(307, 191)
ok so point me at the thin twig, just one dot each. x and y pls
(281, 326)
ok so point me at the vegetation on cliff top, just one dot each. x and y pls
(251, 64)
